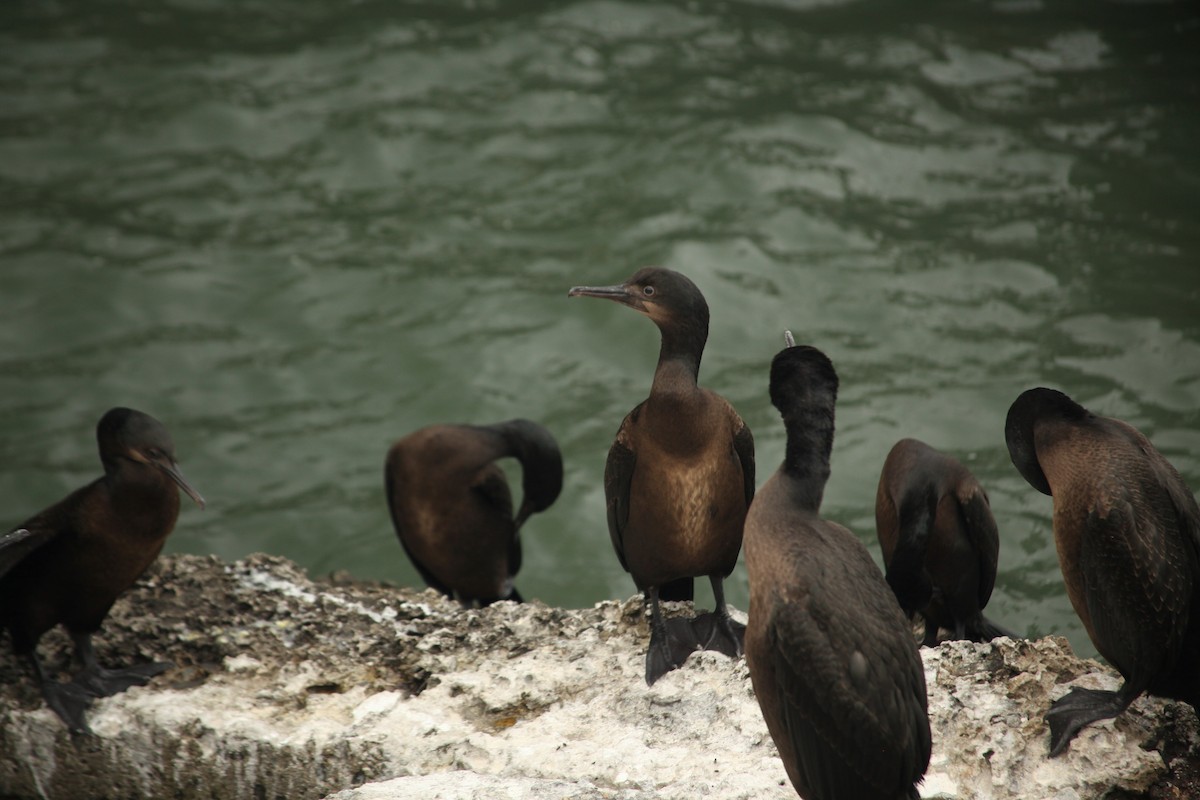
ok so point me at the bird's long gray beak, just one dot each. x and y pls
(172, 469)
(523, 514)
(619, 292)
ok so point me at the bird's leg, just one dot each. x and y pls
(671, 641)
(931, 634)
(932, 606)
(100, 682)
(68, 700)
(718, 631)
(1079, 707)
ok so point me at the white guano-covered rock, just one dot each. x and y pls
(289, 688)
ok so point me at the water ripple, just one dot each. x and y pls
(297, 232)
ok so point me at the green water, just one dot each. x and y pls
(295, 231)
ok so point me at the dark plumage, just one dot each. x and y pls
(835, 668)
(939, 541)
(452, 508)
(679, 476)
(68, 564)
(1127, 530)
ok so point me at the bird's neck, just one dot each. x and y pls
(806, 459)
(541, 467)
(675, 378)
(679, 356)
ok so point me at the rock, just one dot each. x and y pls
(289, 688)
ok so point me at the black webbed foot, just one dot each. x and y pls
(1069, 714)
(69, 701)
(671, 642)
(100, 682)
(984, 630)
(718, 632)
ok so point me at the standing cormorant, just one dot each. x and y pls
(452, 508)
(679, 476)
(68, 564)
(1127, 531)
(939, 541)
(834, 665)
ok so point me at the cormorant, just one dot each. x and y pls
(939, 541)
(679, 476)
(452, 508)
(834, 665)
(68, 564)
(1127, 531)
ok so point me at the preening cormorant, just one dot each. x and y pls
(452, 508)
(1127, 531)
(939, 541)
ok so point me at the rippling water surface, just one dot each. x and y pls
(295, 231)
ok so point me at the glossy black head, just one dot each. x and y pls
(668, 298)
(125, 434)
(541, 464)
(803, 380)
(1027, 411)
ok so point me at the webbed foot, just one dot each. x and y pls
(69, 701)
(1069, 714)
(718, 632)
(100, 682)
(671, 642)
(984, 630)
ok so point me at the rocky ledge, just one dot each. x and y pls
(289, 688)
